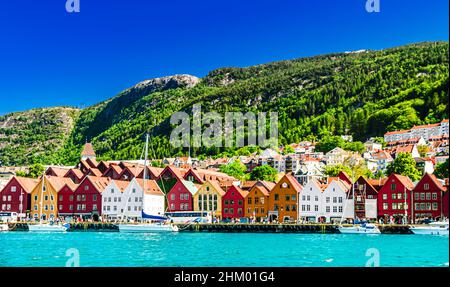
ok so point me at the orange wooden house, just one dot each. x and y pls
(283, 199)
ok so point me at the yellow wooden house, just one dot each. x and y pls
(209, 198)
(44, 197)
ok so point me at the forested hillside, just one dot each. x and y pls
(364, 93)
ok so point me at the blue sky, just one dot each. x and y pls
(49, 57)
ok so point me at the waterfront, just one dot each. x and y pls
(112, 249)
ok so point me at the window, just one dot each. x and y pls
(334, 199)
(393, 186)
(303, 198)
(426, 186)
(225, 210)
(435, 206)
(303, 207)
(327, 200)
(428, 196)
(240, 202)
(385, 206)
(340, 199)
(134, 190)
(275, 207)
(36, 197)
(249, 200)
(434, 195)
(46, 197)
(293, 197)
(239, 211)
(112, 190)
(334, 208)
(13, 188)
(287, 197)
(417, 206)
(46, 207)
(35, 207)
(428, 206)
(384, 196)
(276, 196)
(60, 197)
(399, 196)
(71, 207)
(422, 196)
(327, 209)
(416, 196)
(394, 196)
(231, 210)
(394, 206)
(83, 197)
(86, 187)
(51, 207)
(94, 197)
(172, 206)
(94, 207)
(60, 207)
(316, 208)
(340, 209)
(316, 198)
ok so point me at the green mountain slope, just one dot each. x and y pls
(364, 93)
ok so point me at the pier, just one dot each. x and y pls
(226, 228)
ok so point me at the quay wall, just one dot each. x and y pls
(226, 227)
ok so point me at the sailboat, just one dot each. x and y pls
(161, 224)
(357, 227)
(46, 227)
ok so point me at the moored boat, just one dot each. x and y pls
(434, 228)
(147, 227)
(365, 228)
(48, 227)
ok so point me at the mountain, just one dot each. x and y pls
(35, 133)
(362, 93)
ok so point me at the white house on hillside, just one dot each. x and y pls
(310, 202)
(336, 205)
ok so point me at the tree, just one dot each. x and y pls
(422, 149)
(21, 173)
(334, 170)
(328, 143)
(235, 169)
(264, 172)
(288, 149)
(442, 170)
(404, 164)
(35, 170)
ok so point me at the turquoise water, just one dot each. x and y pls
(220, 249)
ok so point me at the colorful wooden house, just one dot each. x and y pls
(394, 199)
(16, 195)
(257, 200)
(365, 198)
(283, 199)
(233, 202)
(66, 198)
(76, 175)
(208, 198)
(180, 197)
(428, 198)
(44, 197)
(88, 197)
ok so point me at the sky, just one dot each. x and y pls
(49, 57)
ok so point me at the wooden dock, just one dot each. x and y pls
(227, 227)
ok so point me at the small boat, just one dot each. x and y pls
(4, 227)
(48, 227)
(364, 228)
(147, 228)
(434, 228)
(159, 226)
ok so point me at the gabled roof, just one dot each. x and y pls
(151, 187)
(433, 179)
(59, 182)
(242, 192)
(121, 184)
(58, 171)
(28, 184)
(216, 186)
(78, 173)
(193, 188)
(100, 183)
(404, 180)
(294, 183)
(88, 150)
(95, 172)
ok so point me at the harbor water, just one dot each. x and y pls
(113, 249)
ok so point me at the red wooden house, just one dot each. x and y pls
(88, 199)
(394, 198)
(233, 202)
(428, 198)
(180, 196)
(151, 172)
(66, 198)
(344, 177)
(169, 177)
(16, 194)
(56, 171)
